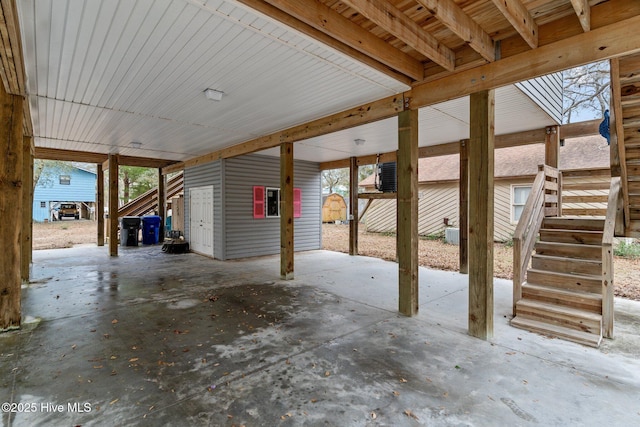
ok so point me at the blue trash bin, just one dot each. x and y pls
(151, 229)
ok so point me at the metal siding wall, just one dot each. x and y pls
(199, 176)
(246, 236)
(546, 91)
(440, 201)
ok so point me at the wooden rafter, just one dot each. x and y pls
(323, 18)
(453, 17)
(520, 18)
(406, 29)
(583, 11)
(599, 44)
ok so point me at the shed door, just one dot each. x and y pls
(201, 220)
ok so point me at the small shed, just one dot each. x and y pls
(334, 208)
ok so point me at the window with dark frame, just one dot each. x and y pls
(65, 179)
(43, 204)
(273, 202)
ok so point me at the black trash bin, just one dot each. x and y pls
(129, 226)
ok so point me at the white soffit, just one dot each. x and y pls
(438, 124)
(101, 74)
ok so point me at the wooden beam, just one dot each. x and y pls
(519, 17)
(11, 182)
(579, 129)
(69, 155)
(393, 20)
(407, 212)
(455, 19)
(599, 44)
(283, 17)
(583, 11)
(464, 207)
(162, 200)
(26, 240)
(367, 113)
(481, 201)
(353, 205)
(536, 136)
(86, 157)
(286, 211)
(324, 19)
(175, 167)
(113, 204)
(378, 196)
(100, 204)
(552, 147)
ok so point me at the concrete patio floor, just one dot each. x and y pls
(150, 338)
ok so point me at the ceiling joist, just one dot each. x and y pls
(454, 18)
(583, 12)
(406, 29)
(325, 19)
(518, 15)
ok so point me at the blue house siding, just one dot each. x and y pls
(81, 188)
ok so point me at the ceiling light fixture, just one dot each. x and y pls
(136, 144)
(359, 141)
(213, 94)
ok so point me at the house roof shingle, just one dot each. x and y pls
(590, 152)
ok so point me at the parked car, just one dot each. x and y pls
(68, 210)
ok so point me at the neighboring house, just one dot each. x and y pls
(515, 170)
(58, 185)
(231, 207)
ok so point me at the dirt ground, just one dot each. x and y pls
(432, 253)
(441, 256)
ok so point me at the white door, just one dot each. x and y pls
(201, 220)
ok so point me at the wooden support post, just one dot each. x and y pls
(162, 199)
(27, 211)
(552, 147)
(353, 203)
(464, 207)
(407, 209)
(11, 187)
(481, 170)
(113, 204)
(100, 204)
(286, 210)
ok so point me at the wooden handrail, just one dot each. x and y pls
(613, 208)
(534, 211)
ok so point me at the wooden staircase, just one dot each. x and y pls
(565, 289)
(625, 132)
(148, 201)
(562, 296)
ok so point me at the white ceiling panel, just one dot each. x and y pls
(104, 73)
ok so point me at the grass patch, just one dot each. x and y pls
(627, 250)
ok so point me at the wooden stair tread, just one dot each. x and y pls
(569, 250)
(574, 223)
(578, 282)
(580, 299)
(566, 265)
(554, 308)
(580, 337)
